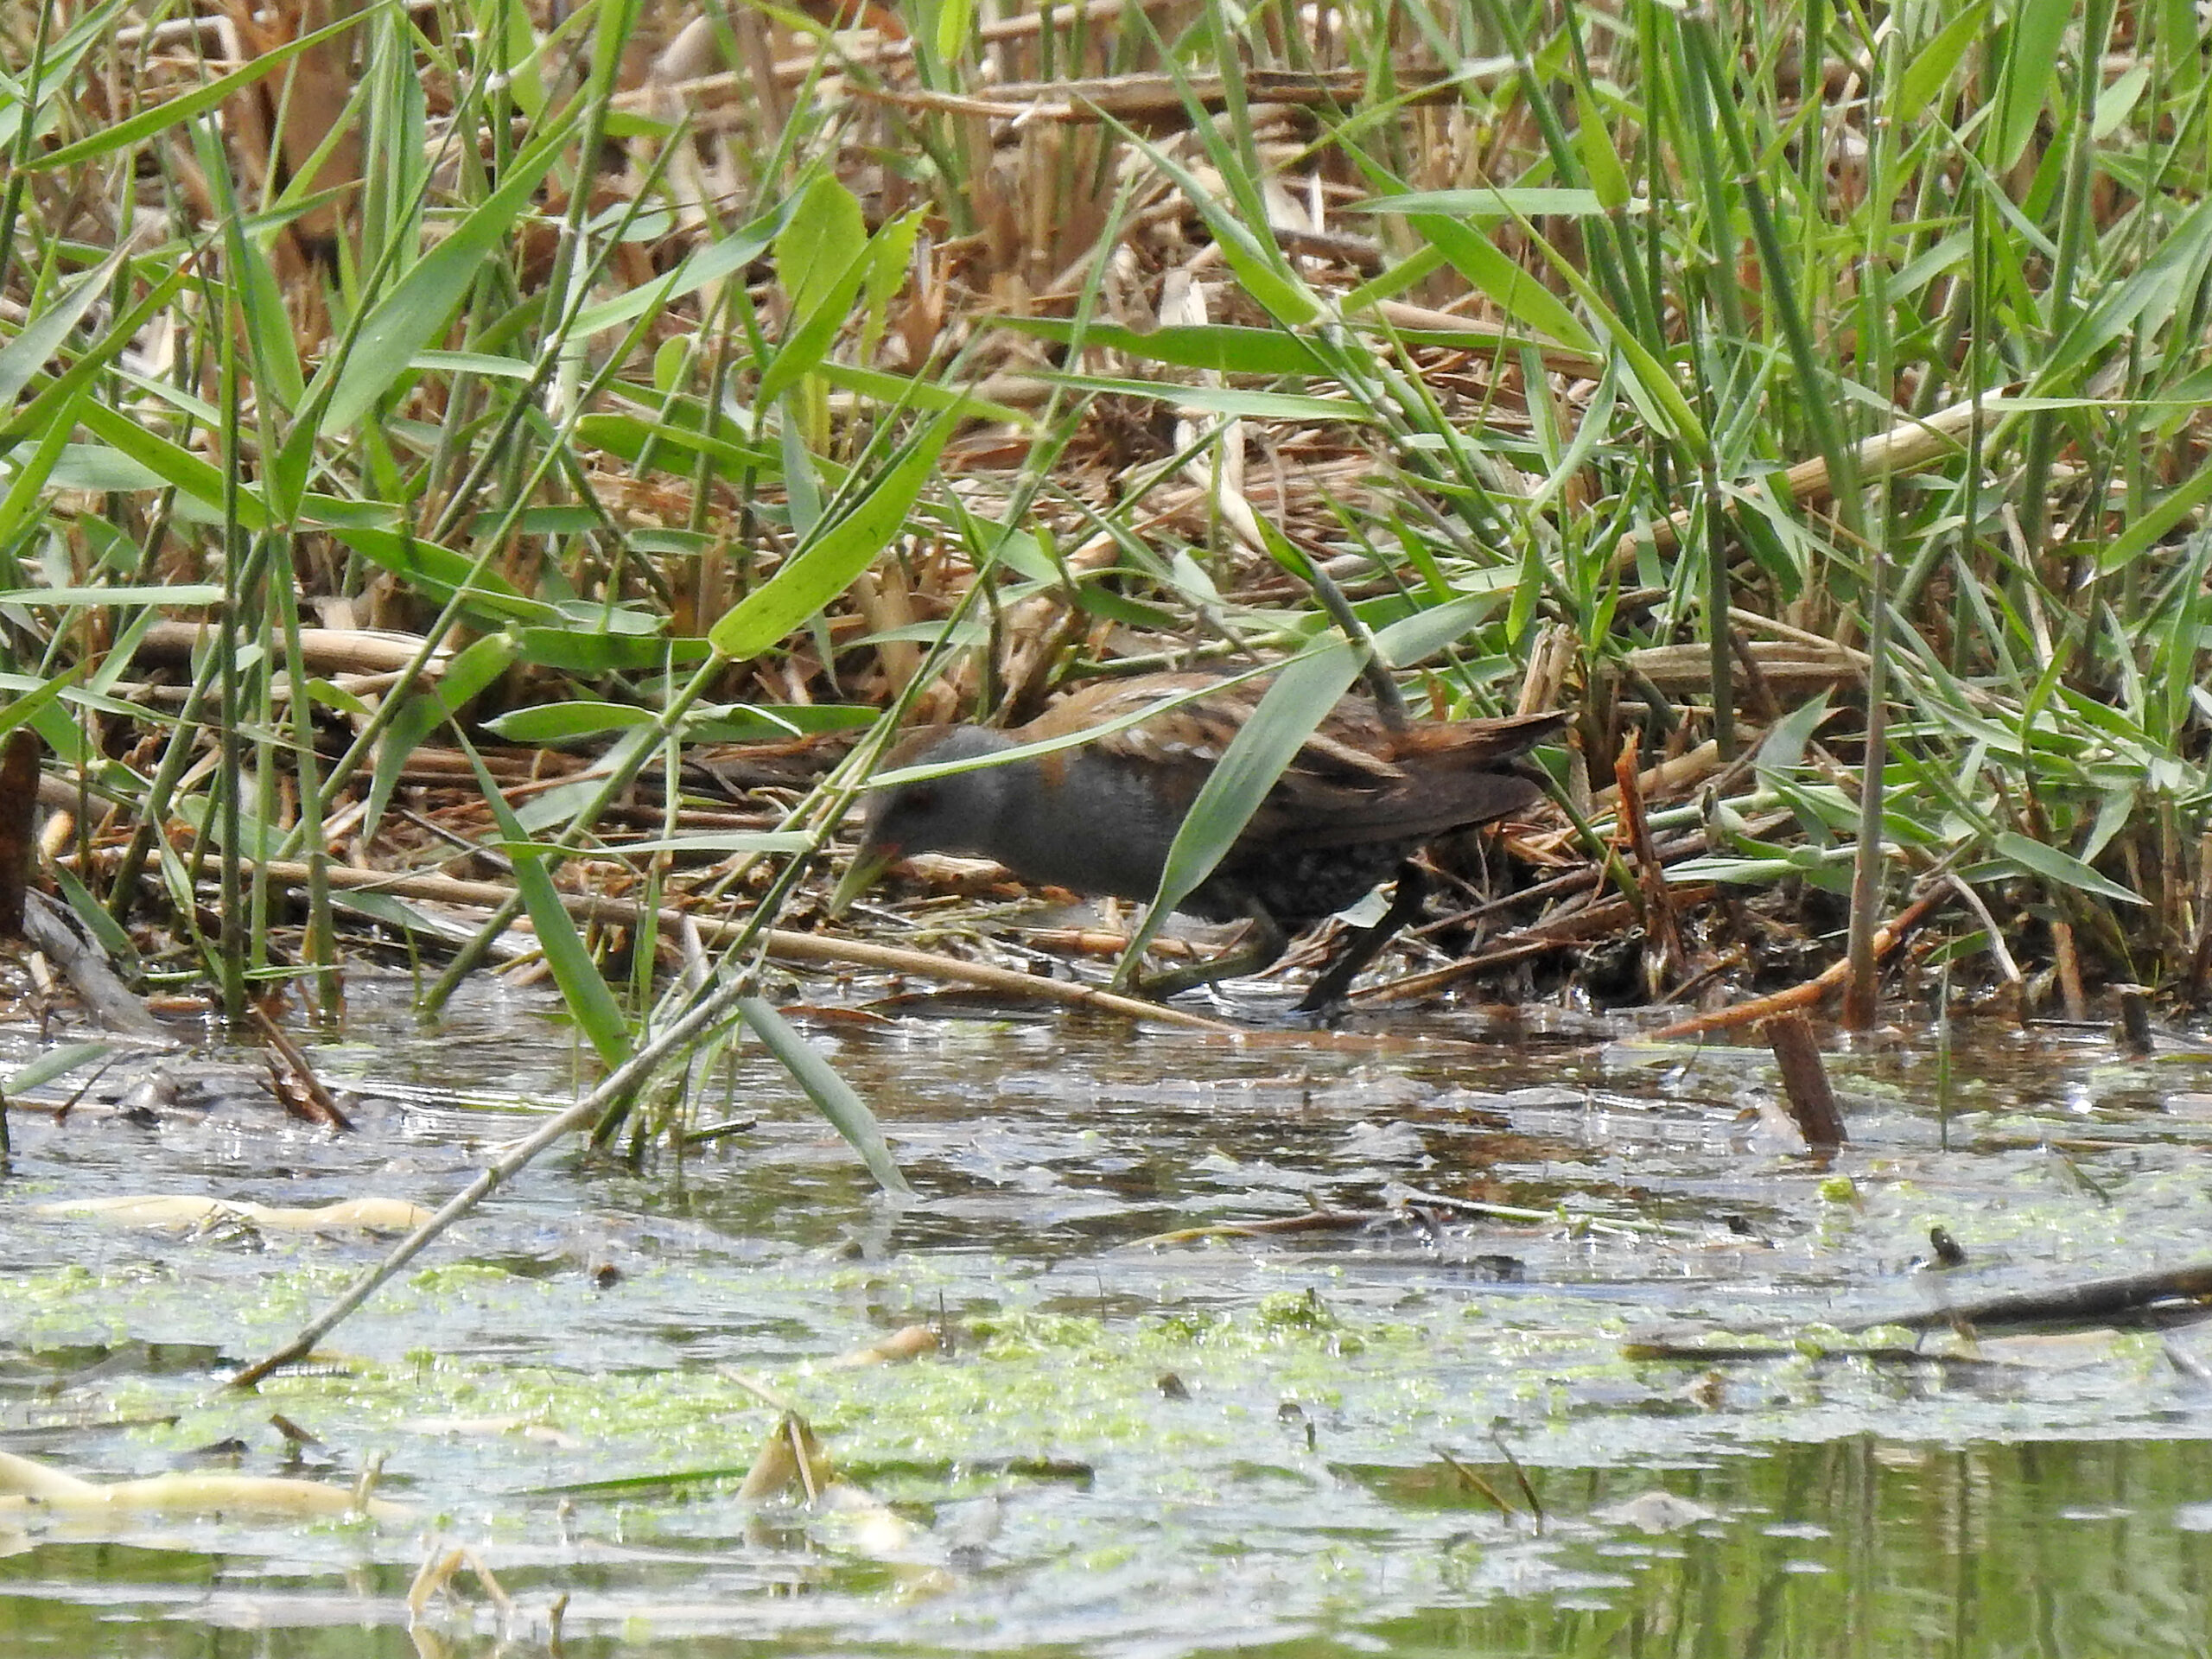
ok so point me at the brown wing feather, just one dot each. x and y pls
(1449, 781)
(1358, 778)
(1476, 742)
(1353, 742)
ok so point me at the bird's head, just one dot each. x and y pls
(952, 812)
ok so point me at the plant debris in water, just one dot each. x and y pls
(1574, 1303)
(480, 497)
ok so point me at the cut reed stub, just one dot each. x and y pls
(1805, 1082)
(2133, 1032)
(18, 838)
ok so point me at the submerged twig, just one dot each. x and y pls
(305, 1096)
(2092, 1300)
(1473, 1478)
(619, 1084)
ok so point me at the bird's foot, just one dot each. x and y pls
(1406, 897)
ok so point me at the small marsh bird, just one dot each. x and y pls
(1358, 800)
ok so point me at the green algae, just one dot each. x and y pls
(1112, 1431)
(1019, 1381)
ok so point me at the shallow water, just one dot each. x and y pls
(1283, 1443)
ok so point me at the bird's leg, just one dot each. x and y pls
(1266, 943)
(1406, 898)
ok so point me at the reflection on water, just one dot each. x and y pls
(1265, 1442)
(1866, 1546)
(1853, 1547)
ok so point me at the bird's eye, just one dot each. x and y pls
(921, 798)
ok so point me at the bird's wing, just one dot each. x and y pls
(1194, 735)
(1443, 776)
(1358, 778)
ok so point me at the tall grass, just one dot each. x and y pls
(811, 373)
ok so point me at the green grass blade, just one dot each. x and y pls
(584, 989)
(133, 130)
(832, 1096)
(424, 300)
(825, 566)
(1303, 693)
(2062, 867)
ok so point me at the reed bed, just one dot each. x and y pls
(553, 451)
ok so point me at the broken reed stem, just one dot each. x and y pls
(1660, 926)
(781, 943)
(1908, 445)
(2070, 993)
(621, 1083)
(18, 833)
(1804, 994)
(2135, 1034)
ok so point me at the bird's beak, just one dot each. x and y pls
(868, 863)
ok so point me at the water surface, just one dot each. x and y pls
(1309, 1441)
